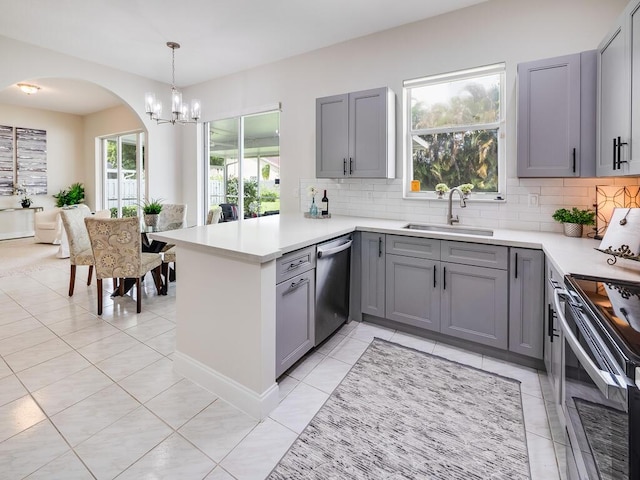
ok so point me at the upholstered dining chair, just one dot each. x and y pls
(172, 216)
(214, 215)
(77, 237)
(117, 252)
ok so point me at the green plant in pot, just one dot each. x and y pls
(151, 208)
(574, 220)
(71, 196)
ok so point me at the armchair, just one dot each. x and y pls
(48, 226)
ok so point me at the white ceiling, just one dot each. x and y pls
(218, 37)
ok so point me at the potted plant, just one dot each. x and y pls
(573, 220)
(25, 200)
(466, 188)
(441, 189)
(71, 196)
(151, 208)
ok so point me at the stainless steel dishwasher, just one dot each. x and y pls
(332, 285)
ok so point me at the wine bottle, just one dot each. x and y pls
(324, 204)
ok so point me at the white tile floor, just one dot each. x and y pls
(83, 397)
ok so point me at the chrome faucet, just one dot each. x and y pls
(463, 203)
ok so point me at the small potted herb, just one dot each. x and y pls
(573, 220)
(466, 188)
(151, 208)
(441, 189)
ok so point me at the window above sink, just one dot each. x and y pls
(454, 124)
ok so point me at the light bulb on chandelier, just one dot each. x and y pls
(180, 112)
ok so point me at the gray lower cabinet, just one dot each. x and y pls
(526, 300)
(413, 291)
(474, 303)
(295, 307)
(553, 336)
(373, 273)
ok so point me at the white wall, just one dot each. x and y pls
(112, 121)
(21, 61)
(499, 30)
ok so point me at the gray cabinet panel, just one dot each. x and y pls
(475, 304)
(294, 263)
(295, 319)
(373, 274)
(553, 337)
(413, 291)
(526, 314)
(614, 99)
(633, 167)
(355, 135)
(413, 247)
(482, 255)
(549, 117)
(332, 136)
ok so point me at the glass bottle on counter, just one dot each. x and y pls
(313, 210)
(324, 204)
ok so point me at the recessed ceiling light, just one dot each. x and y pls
(28, 88)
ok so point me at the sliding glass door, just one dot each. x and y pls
(243, 155)
(124, 178)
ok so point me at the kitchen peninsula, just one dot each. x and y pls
(226, 294)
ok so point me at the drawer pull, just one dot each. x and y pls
(296, 265)
(295, 285)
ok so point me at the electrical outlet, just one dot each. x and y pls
(532, 199)
(369, 195)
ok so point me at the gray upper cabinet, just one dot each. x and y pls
(526, 300)
(355, 135)
(373, 273)
(557, 116)
(618, 84)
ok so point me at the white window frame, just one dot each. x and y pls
(499, 68)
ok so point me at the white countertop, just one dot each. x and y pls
(262, 239)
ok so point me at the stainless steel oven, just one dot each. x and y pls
(600, 320)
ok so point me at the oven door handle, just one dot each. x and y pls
(605, 381)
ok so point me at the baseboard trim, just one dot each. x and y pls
(252, 403)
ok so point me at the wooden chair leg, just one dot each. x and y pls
(72, 280)
(138, 295)
(90, 275)
(99, 284)
(165, 274)
(121, 287)
(115, 284)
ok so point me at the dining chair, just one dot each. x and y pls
(214, 215)
(117, 252)
(77, 238)
(172, 216)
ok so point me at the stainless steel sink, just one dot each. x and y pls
(450, 229)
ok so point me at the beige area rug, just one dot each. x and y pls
(23, 256)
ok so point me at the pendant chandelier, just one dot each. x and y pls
(180, 112)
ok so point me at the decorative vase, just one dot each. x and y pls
(313, 210)
(151, 220)
(25, 202)
(440, 194)
(572, 229)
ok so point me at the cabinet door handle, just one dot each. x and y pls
(574, 160)
(296, 265)
(615, 144)
(350, 166)
(551, 328)
(516, 268)
(295, 285)
(444, 278)
(434, 276)
(344, 166)
(379, 247)
(620, 143)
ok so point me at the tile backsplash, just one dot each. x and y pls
(383, 199)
